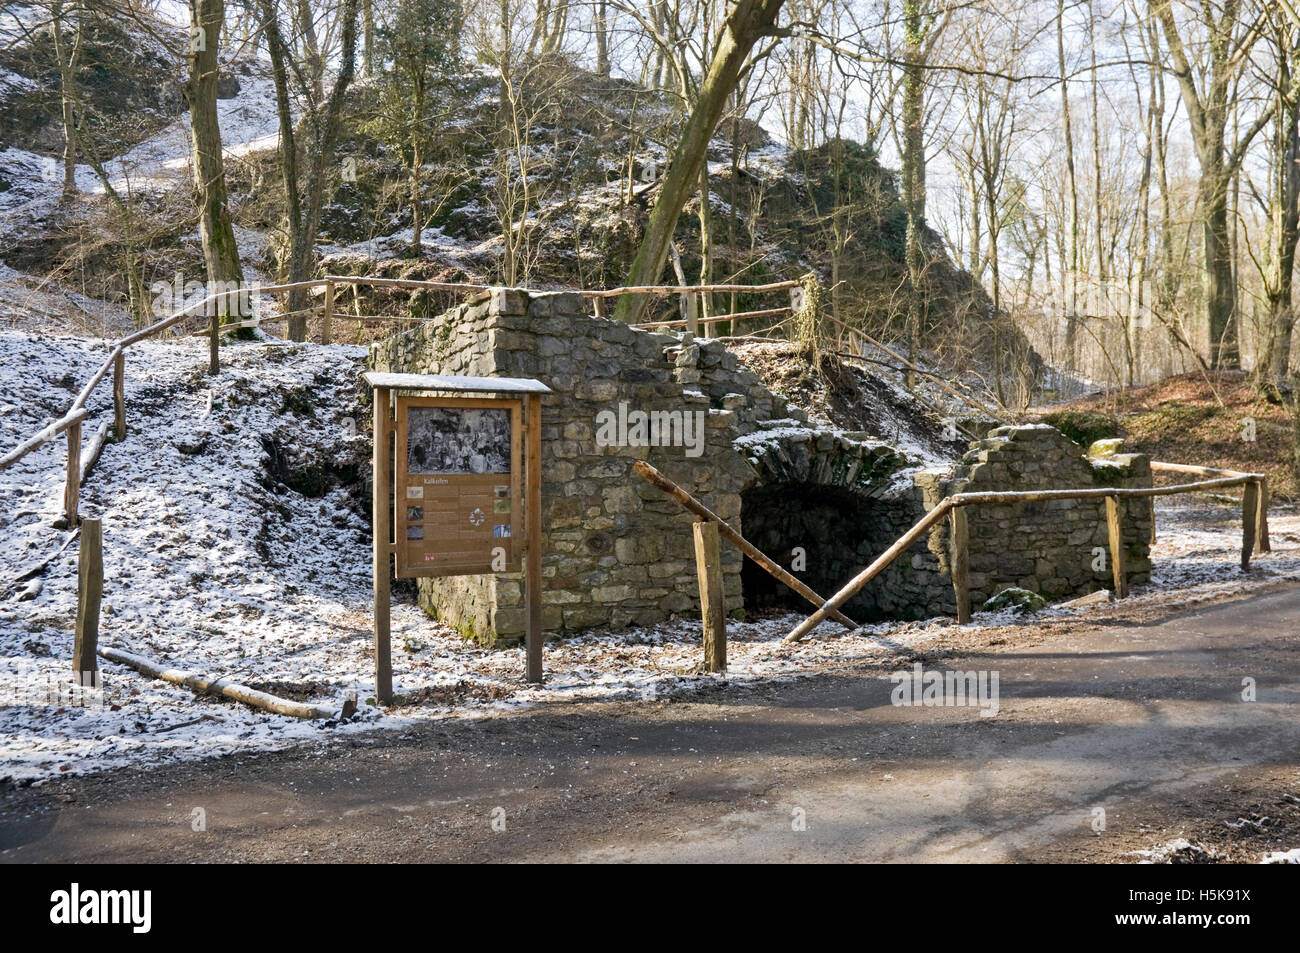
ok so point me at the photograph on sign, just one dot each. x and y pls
(453, 440)
(458, 485)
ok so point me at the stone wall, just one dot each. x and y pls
(618, 552)
(1049, 547)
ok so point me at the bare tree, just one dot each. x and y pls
(748, 22)
(217, 231)
(304, 175)
(1206, 83)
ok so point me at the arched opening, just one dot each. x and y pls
(823, 534)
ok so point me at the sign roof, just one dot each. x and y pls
(456, 384)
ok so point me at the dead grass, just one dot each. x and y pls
(1198, 420)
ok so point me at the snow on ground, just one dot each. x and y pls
(35, 304)
(213, 564)
(1282, 857)
(248, 121)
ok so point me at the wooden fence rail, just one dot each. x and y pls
(1254, 513)
(213, 306)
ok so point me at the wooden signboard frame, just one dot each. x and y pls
(523, 398)
(491, 500)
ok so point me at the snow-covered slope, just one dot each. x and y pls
(235, 544)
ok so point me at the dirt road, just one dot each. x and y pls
(1144, 721)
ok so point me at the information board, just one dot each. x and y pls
(457, 483)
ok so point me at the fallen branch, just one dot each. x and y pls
(186, 724)
(221, 686)
(96, 447)
(40, 567)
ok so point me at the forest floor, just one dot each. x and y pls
(236, 544)
(1119, 738)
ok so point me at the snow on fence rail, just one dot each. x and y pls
(71, 422)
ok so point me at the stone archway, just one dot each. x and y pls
(823, 504)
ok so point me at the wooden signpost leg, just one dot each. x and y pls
(533, 535)
(382, 463)
(1115, 530)
(708, 569)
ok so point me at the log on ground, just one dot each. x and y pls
(222, 686)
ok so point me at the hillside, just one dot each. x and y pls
(1206, 420)
(591, 183)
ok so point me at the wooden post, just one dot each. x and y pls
(214, 340)
(1115, 529)
(598, 307)
(72, 488)
(90, 590)
(327, 316)
(382, 469)
(119, 396)
(693, 314)
(959, 554)
(761, 559)
(708, 570)
(1262, 544)
(1153, 521)
(1249, 514)
(533, 536)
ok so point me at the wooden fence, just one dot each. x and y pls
(79, 459)
(1254, 535)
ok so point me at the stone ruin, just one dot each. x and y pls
(618, 552)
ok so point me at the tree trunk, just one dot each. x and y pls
(1285, 230)
(220, 250)
(602, 39)
(1070, 274)
(706, 243)
(304, 185)
(368, 37)
(748, 21)
(913, 185)
(306, 34)
(1101, 280)
(1220, 290)
(1137, 297)
(417, 165)
(1207, 115)
(68, 61)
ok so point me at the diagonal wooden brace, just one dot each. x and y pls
(657, 479)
